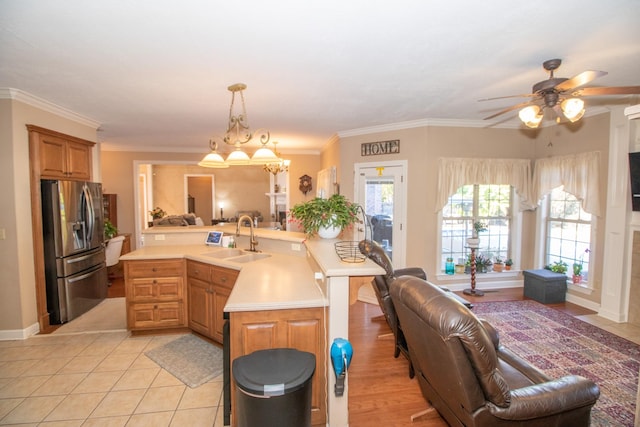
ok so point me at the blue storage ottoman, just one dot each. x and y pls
(545, 286)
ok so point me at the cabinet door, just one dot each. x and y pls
(78, 161)
(52, 157)
(160, 289)
(302, 329)
(220, 297)
(155, 315)
(200, 313)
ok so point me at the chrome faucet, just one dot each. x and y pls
(252, 239)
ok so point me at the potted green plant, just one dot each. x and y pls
(474, 241)
(110, 230)
(507, 264)
(557, 267)
(498, 265)
(577, 268)
(319, 215)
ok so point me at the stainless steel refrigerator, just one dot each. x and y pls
(73, 233)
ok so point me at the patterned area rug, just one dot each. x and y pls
(559, 344)
(192, 360)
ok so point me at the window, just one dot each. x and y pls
(568, 232)
(490, 204)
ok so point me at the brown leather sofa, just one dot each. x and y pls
(470, 378)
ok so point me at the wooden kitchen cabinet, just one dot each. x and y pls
(64, 157)
(209, 288)
(302, 329)
(155, 294)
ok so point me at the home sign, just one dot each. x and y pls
(380, 147)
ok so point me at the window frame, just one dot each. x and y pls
(515, 237)
(542, 241)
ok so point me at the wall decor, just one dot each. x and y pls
(380, 147)
(305, 184)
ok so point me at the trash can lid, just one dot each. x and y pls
(273, 372)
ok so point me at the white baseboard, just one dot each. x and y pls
(19, 334)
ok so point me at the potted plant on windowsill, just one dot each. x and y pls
(507, 264)
(577, 268)
(498, 265)
(325, 217)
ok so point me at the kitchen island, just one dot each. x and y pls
(297, 297)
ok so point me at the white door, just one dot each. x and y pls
(381, 189)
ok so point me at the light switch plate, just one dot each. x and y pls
(3, 234)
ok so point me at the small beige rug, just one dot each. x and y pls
(192, 360)
(109, 315)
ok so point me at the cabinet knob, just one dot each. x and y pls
(223, 279)
(155, 281)
(154, 269)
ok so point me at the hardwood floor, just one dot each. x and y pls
(116, 289)
(380, 391)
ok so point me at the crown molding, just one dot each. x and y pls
(425, 123)
(632, 112)
(43, 104)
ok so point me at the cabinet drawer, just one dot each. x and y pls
(199, 271)
(224, 277)
(156, 315)
(154, 268)
(159, 289)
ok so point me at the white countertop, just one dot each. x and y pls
(281, 281)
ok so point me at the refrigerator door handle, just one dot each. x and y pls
(84, 276)
(81, 258)
(89, 214)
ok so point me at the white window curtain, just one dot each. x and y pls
(453, 173)
(578, 173)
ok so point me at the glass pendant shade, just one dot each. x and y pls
(573, 109)
(531, 116)
(213, 160)
(263, 156)
(238, 158)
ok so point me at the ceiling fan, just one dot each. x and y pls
(560, 94)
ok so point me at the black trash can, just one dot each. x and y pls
(273, 388)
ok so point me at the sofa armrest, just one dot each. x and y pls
(527, 369)
(411, 271)
(549, 398)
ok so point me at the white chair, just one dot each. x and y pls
(113, 250)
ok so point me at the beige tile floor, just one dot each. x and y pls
(98, 379)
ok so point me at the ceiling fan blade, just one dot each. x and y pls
(581, 79)
(506, 110)
(525, 95)
(619, 90)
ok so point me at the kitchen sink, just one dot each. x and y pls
(248, 257)
(224, 253)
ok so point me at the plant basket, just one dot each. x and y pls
(348, 250)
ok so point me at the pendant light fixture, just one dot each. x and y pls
(237, 134)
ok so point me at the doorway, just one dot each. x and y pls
(380, 188)
(199, 193)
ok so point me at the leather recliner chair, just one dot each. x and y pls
(472, 380)
(380, 283)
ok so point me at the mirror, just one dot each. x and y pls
(168, 185)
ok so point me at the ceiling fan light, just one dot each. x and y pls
(531, 116)
(238, 158)
(573, 109)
